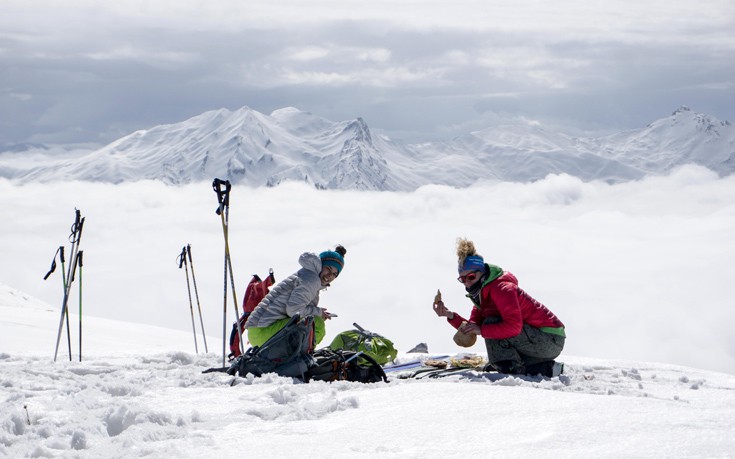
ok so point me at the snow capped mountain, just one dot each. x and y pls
(244, 146)
(682, 138)
(252, 148)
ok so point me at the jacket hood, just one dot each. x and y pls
(493, 272)
(311, 261)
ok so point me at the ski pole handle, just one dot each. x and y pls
(223, 196)
(182, 257)
(76, 228)
(53, 262)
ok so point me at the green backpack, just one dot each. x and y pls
(376, 346)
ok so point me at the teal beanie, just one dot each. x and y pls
(334, 258)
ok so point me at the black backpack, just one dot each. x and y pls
(340, 365)
(287, 353)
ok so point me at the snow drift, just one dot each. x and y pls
(132, 398)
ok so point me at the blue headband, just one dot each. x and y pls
(472, 263)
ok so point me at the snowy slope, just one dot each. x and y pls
(244, 146)
(524, 153)
(255, 149)
(139, 395)
(685, 137)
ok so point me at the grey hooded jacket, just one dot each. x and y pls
(298, 293)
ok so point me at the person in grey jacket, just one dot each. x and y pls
(298, 293)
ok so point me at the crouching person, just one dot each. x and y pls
(297, 294)
(521, 335)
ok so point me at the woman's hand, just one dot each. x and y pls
(442, 310)
(469, 328)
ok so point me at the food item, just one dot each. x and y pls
(465, 339)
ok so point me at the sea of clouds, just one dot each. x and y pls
(640, 270)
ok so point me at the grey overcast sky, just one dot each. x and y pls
(92, 71)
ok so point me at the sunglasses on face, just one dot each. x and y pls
(469, 277)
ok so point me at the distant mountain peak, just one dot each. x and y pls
(249, 147)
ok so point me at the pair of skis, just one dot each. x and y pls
(417, 369)
(185, 260)
(67, 279)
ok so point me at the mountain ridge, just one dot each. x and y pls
(249, 147)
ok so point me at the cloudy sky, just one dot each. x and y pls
(89, 71)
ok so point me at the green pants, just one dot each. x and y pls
(530, 347)
(259, 335)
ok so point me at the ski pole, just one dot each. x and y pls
(224, 316)
(77, 263)
(228, 257)
(223, 199)
(220, 208)
(64, 281)
(75, 238)
(53, 263)
(80, 256)
(196, 293)
(60, 252)
(182, 262)
(63, 268)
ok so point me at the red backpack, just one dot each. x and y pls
(256, 290)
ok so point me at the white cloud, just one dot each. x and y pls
(374, 54)
(21, 96)
(308, 53)
(637, 271)
(135, 53)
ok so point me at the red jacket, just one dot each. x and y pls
(501, 297)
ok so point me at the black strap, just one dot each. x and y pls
(188, 252)
(182, 257)
(53, 262)
(223, 195)
(76, 228)
(375, 364)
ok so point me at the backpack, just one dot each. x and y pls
(256, 290)
(287, 353)
(339, 365)
(374, 345)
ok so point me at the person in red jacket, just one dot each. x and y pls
(522, 336)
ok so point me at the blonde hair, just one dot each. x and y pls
(465, 248)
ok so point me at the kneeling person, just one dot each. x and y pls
(521, 335)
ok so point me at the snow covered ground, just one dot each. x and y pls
(137, 394)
